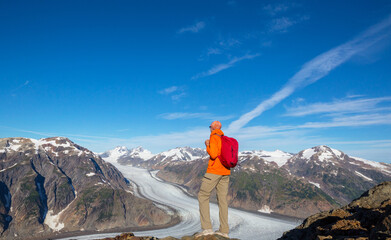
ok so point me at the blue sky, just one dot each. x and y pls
(285, 75)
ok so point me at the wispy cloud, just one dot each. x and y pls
(19, 87)
(169, 90)
(229, 42)
(342, 106)
(220, 67)
(319, 67)
(352, 121)
(177, 97)
(176, 92)
(214, 51)
(198, 26)
(185, 115)
(282, 24)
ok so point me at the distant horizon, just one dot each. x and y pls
(240, 150)
(278, 74)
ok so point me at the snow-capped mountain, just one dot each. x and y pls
(179, 154)
(338, 174)
(123, 155)
(113, 155)
(279, 157)
(53, 185)
(142, 157)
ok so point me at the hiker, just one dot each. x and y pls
(216, 176)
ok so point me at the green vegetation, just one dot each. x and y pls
(275, 185)
(32, 200)
(98, 200)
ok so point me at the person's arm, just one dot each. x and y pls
(212, 148)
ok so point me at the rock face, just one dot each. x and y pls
(52, 186)
(368, 217)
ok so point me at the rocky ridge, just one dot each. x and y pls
(52, 186)
(368, 217)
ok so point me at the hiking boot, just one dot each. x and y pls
(204, 233)
(222, 234)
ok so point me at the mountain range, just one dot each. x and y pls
(53, 186)
(314, 180)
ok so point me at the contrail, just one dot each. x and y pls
(317, 68)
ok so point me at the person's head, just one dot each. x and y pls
(215, 125)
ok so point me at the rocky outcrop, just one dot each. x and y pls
(130, 236)
(52, 186)
(368, 217)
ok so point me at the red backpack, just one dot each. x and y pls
(229, 151)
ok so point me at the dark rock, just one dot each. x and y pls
(368, 217)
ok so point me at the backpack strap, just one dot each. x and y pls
(219, 156)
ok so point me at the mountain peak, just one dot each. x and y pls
(121, 148)
(322, 153)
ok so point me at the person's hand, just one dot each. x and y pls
(207, 142)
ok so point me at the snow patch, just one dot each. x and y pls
(363, 176)
(337, 152)
(14, 147)
(141, 153)
(5, 169)
(278, 156)
(308, 153)
(115, 154)
(265, 209)
(314, 183)
(325, 155)
(378, 165)
(53, 221)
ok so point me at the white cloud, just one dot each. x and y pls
(193, 28)
(169, 90)
(351, 121)
(317, 68)
(340, 106)
(185, 115)
(176, 93)
(230, 42)
(178, 97)
(214, 51)
(282, 24)
(220, 67)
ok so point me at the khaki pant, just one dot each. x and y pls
(209, 182)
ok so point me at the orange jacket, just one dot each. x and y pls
(214, 150)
